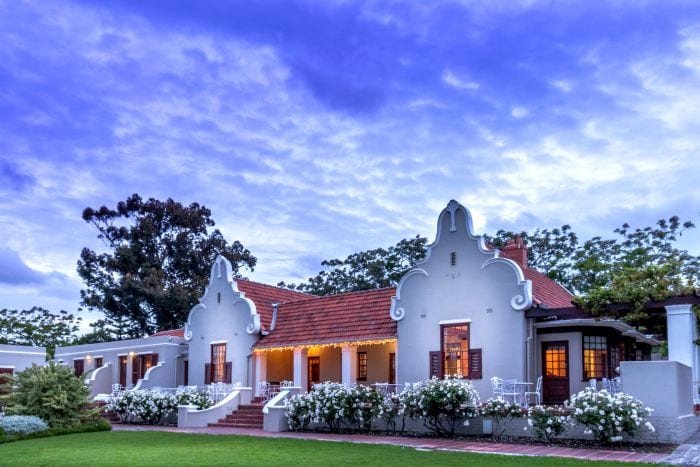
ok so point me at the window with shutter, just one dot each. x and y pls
(475, 364)
(435, 364)
(154, 359)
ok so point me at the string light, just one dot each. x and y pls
(389, 340)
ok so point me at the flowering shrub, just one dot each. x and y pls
(363, 404)
(502, 412)
(149, 406)
(22, 424)
(441, 404)
(299, 410)
(330, 404)
(608, 417)
(193, 396)
(391, 409)
(548, 422)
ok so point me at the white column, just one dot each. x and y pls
(680, 321)
(349, 373)
(260, 370)
(301, 368)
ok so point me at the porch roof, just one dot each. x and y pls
(624, 328)
(349, 317)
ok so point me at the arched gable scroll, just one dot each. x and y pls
(454, 227)
(222, 295)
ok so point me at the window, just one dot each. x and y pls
(141, 364)
(7, 371)
(98, 362)
(455, 350)
(362, 366)
(595, 357)
(218, 363)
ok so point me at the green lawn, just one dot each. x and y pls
(160, 448)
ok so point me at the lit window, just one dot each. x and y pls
(218, 362)
(595, 357)
(455, 350)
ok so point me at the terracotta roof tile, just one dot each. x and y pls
(546, 291)
(170, 332)
(352, 316)
(264, 296)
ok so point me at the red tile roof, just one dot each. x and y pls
(353, 316)
(264, 296)
(170, 332)
(546, 291)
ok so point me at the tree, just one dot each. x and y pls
(371, 269)
(158, 264)
(38, 327)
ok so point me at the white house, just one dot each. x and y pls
(467, 310)
(14, 358)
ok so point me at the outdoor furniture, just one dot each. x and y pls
(605, 382)
(537, 392)
(510, 390)
(497, 386)
(615, 385)
(116, 389)
(594, 383)
(264, 390)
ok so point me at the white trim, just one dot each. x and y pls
(218, 342)
(11, 367)
(123, 354)
(455, 321)
(22, 352)
(78, 358)
(161, 344)
(150, 352)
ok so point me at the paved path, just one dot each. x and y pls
(427, 443)
(687, 453)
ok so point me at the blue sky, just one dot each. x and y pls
(316, 129)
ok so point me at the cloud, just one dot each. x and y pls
(15, 271)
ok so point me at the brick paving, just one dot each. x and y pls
(429, 443)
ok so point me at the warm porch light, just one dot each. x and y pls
(330, 344)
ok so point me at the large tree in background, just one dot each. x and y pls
(371, 269)
(158, 263)
(39, 327)
(639, 264)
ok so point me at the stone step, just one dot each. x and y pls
(237, 425)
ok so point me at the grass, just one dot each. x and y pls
(161, 448)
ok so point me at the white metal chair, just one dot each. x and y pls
(497, 386)
(537, 392)
(593, 383)
(510, 390)
(116, 389)
(615, 385)
(605, 382)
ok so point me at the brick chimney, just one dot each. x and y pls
(516, 250)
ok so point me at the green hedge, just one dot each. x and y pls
(99, 425)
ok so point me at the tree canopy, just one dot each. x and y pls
(160, 254)
(38, 327)
(370, 269)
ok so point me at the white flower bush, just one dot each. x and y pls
(609, 417)
(501, 411)
(148, 406)
(363, 405)
(548, 422)
(193, 396)
(22, 424)
(441, 404)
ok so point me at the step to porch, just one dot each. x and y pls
(247, 416)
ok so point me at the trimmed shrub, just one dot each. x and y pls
(193, 396)
(149, 407)
(442, 403)
(363, 404)
(52, 393)
(501, 412)
(548, 422)
(23, 424)
(100, 425)
(609, 417)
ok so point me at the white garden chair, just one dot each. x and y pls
(537, 392)
(497, 386)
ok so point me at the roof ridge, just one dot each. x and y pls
(343, 294)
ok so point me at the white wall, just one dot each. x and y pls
(479, 288)
(20, 357)
(223, 315)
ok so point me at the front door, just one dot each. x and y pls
(122, 371)
(314, 372)
(392, 368)
(555, 372)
